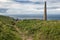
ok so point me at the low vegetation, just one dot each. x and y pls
(29, 29)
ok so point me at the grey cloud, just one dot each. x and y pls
(36, 2)
(53, 1)
(53, 7)
(28, 2)
(50, 8)
(3, 10)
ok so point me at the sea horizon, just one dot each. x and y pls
(36, 16)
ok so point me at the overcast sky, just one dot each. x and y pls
(12, 7)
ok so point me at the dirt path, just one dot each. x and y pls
(23, 36)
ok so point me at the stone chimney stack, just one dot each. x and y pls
(45, 11)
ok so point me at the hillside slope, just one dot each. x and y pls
(7, 30)
(28, 29)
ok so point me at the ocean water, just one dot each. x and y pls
(38, 16)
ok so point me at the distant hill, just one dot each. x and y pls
(28, 29)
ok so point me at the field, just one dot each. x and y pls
(10, 29)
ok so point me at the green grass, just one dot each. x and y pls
(33, 29)
(41, 30)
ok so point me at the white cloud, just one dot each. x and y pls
(5, 0)
(24, 9)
